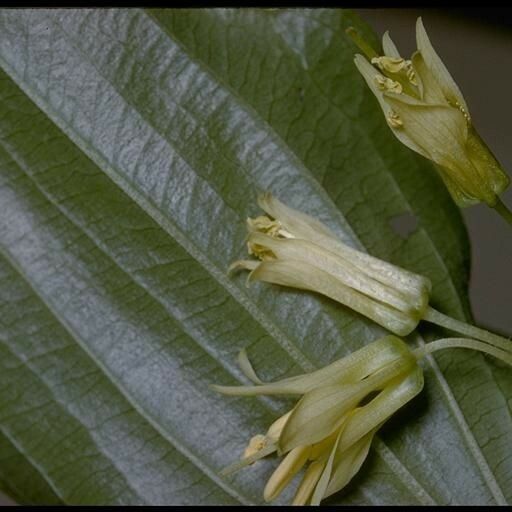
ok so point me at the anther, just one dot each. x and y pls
(394, 120)
(386, 84)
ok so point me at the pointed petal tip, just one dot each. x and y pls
(385, 37)
(360, 61)
(264, 198)
(419, 24)
(245, 365)
(234, 267)
(243, 265)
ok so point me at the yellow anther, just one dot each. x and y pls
(260, 252)
(268, 226)
(465, 113)
(411, 75)
(264, 224)
(256, 444)
(394, 120)
(389, 64)
(386, 84)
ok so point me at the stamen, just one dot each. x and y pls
(394, 120)
(256, 444)
(411, 75)
(465, 113)
(264, 224)
(389, 64)
(386, 84)
(260, 252)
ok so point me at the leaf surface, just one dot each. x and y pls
(132, 146)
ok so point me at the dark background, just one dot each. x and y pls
(476, 46)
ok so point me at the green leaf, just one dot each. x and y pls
(132, 145)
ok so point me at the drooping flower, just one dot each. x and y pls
(426, 111)
(299, 251)
(330, 429)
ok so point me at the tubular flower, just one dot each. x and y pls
(330, 429)
(427, 112)
(297, 250)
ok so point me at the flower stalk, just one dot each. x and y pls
(502, 210)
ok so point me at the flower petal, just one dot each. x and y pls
(297, 274)
(447, 84)
(323, 482)
(246, 367)
(389, 46)
(369, 73)
(274, 431)
(384, 405)
(284, 473)
(294, 221)
(430, 91)
(349, 369)
(347, 464)
(307, 228)
(440, 131)
(339, 267)
(308, 483)
(321, 411)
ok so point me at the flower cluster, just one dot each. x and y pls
(328, 433)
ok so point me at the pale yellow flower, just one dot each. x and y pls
(299, 251)
(330, 429)
(426, 111)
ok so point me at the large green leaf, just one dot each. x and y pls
(132, 146)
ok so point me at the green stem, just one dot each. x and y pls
(501, 208)
(442, 320)
(441, 344)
